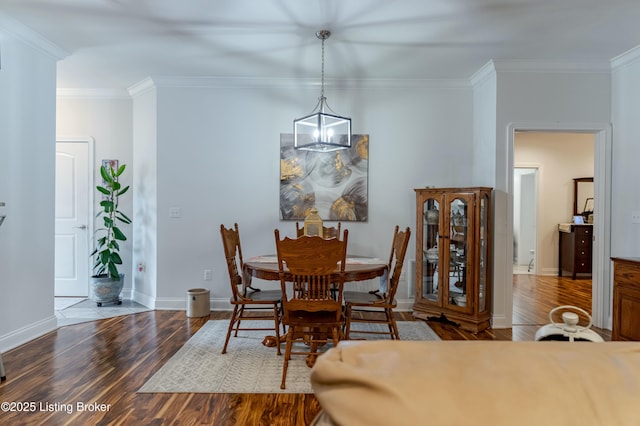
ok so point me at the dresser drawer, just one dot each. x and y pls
(582, 265)
(582, 231)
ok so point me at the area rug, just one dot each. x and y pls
(247, 367)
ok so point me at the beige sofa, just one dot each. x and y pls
(478, 383)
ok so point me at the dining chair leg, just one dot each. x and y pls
(232, 321)
(393, 326)
(276, 313)
(239, 319)
(347, 322)
(287, 356)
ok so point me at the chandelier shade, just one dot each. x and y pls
(322, 131)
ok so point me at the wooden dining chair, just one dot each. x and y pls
(331, 231)
(308, 268)
(244, 299)
(376, 307)
(327, 232)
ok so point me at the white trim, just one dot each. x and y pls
(537, 66)
(601, 300)
(627, 58)
(28, 333)
(31, 38)
(63, 93)
(222, 304)
(255, 82)
(142, 299)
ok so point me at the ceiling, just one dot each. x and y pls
(117, 43)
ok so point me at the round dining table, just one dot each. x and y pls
(358, 268)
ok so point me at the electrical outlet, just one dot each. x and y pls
(175, 212)
(208, 274)
(635, 216)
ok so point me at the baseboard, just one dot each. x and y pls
(219, 304)
(500, 321)
(28, 333)
(143, 299)
(180, 304)
(404, 305)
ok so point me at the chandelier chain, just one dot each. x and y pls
(322, 75)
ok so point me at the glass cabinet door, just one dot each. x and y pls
(432, 254)
(457, 267)
(483, 254)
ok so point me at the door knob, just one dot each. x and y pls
(81, 227)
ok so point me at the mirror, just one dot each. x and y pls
(583, 197)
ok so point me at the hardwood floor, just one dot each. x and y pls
(102, 364)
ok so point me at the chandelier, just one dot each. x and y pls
(320, 130)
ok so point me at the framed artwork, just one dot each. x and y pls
(336, 183)
(110, 163)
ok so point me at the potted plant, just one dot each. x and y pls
(107, 281)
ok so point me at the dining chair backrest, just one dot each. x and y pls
(233, 254)
(312, 265)
(327, 231)
(396, 259)
(331, 231)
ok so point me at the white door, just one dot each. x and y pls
(72, 260)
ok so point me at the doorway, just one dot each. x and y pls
(73, 212)
(601, 134)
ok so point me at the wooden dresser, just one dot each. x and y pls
(574, 254)
(626, 299)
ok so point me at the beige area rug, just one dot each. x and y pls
(247, 367)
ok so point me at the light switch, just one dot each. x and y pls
(175, 212)
(635, 216)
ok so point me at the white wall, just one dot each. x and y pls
(218, 161)
(27, 170)
(546, 96)
(145, 194)
(484, 125)
(560, 157)
(625, 197)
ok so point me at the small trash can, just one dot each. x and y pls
(198, 304)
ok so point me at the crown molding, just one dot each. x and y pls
(488, 70)
(92, 94)
(627, 58)
(251, 82)
(31, 38)
(534, 66)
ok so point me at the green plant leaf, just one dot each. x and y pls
(106, 175)
(115, 258)
(113, 271)
(106, 253)
(118, 235)
(104, 190)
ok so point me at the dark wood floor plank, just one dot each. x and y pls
(107, 361)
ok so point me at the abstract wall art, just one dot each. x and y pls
(336, 183)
